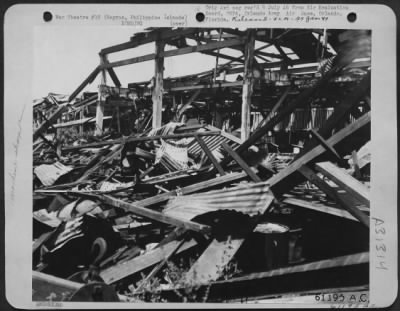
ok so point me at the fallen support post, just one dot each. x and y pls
(209, 154)
(321, 184)
(139, 138)
(154, 215)
(311, 155)
(53, 118)
(124, 269)
(345, 181)
(241, 163)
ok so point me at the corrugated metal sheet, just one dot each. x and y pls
(213, 143)
(173, 157)
(49, 173)
(250, 199)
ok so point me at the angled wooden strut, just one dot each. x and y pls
(241, 163)
(213, 261)
(209, 154)
(139, 263)
(340, 111)
(154, 215)
(170, 53)
(320, 183)
(345, 181)
(286, 176)
(341, 61)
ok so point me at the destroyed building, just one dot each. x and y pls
(248, 181)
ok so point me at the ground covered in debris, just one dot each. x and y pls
(189, 212)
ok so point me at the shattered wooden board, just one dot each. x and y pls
(212, 262)
(139, 263)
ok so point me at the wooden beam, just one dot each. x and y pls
(308, 157)
(100, 102)
(175, 87)
(248, 82)
(170, 53)
(85, 82)
(276, 106)
(299, 101)
(345, 181)
(135, 265)
(209, 154)
(47, 123)
(157, 94)
(154, 215)
(157, 268)
(188, 103)
(45, 284)
(323, 142)
(112, 73)
(332, 193)
(212, 261)
(228, 57)
(356, 165)
(241, 163)
(139, 138)
(149, 37)
(319, 207)
(340, 111)
(74, 122)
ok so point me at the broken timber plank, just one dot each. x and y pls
(164, 34)
(341, 61)
(345, 181)
(248, 82)
(139, 263)
(340, 111)
(212, 262)
(157, 268)
(157, 92)
(85, 82)
(188, 103)
(209, 154)
(318, 150)
(192, 188)
(53, 118)
(323, 142)
(45, 284)
(176, 52)
(320, 183)
(242, 163)
(342, 261)
(356, 165)
(139, 138)
(319, 207)
(154, 215)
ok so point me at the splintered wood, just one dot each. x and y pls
(134, 188)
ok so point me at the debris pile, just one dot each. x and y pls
(192, 213)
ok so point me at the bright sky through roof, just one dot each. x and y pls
(65, 55)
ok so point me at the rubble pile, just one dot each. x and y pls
(188, 212)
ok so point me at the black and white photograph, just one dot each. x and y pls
(237, 171)
(191, 163)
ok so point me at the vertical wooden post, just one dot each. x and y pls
(101, 100)
(248, 82)
(158, 85)
(81, 116)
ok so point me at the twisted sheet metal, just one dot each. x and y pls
(251, 199)
(48, 174)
